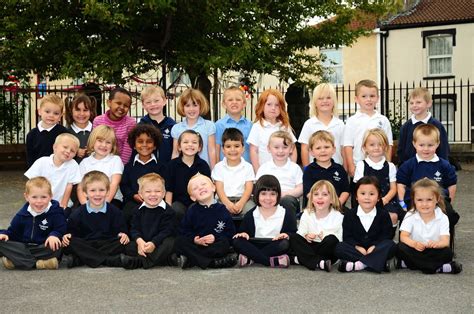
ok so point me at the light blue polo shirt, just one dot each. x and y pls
(243, 124)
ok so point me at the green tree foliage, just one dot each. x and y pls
(68, 38)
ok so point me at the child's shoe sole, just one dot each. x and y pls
(51, 263)
(7, 263)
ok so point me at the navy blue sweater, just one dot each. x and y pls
(96, 226)
(166, 146)
(201, 220)
(178, 174)
(40, 144)
(132, 172)
(248, 223)
(153, 224)
(28, 229)
(406, 150)
(440, 171)
(354, 233)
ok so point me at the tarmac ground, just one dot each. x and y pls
(251, 289)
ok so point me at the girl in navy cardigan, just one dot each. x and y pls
(366, 232)
(265, 230)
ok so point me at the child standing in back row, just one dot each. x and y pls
(367, 96)
(192, 104)
(270, 116)
(323, 113)
(117, 118)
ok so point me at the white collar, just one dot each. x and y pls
(137, 159)
(375, 165)
(279, 212)
(267, 124)
(425, 120)
(226, 164)
(362, 213)
(438, 214)
(434, 159)
(41, 128)
(286, 165)
(34, 214)
(375, 114)
(77, 129)
(95, 160)
(162, 204)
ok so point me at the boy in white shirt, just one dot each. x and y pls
(367, 96)
(288, 173)
(233, 175)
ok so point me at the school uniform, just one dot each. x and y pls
(28, 232)
(244, 125)
(165, 150)
(310, 254)
(201, 220)
(260, 248)
(406, 150)
(335, 173)
(365, 230)
(40, 141)
(95, 234)
(177, 176)
(157, 225)
(429, 260)
(335, 127)
(82, 135)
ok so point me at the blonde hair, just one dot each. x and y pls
(332, 192)
(94, 176)
(421, 92)
(426, 129)
(150, 90)
(287, 140)
(365, 83)
(150, 178)
(102, 132)
(52, 99)
(234, 89)
(430, 185)
(379, 134)
(323, 136)
(40, 183)
(283, 117)
(67, 136)
(196, 96)
(197, 176)
(319, 91)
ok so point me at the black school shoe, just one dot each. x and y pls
(224, 262)
(342, 267)
(71, 261)
(327, 265)
(113, 261)
(390, 265)
(130, 262)
(456, 267)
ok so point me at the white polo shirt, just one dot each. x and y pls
(424, 232)
(335, 127)
(259, 136)
(331, 224)
(289, 175)
(360, 167)
(234, 178)
(59, 177)
(366, 218)
(356, 126)
(270, 227)
(110, 165)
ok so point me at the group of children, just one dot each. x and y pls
(142, 195)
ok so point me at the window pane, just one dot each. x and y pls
(440, 66)
(443, 110)
(333, 65)
(440, 45)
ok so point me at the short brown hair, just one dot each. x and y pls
(421, 92)
(150, 178)
(323, 136)
(40, 183)
(196, 96)
(365, 83)
(53, 99)
(94, 176)
(426, 129)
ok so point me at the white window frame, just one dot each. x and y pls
(443, 56)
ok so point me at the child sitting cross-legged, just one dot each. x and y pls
(206, 230)
(96, 229)
(33, 238)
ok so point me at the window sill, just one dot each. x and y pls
(443, 77)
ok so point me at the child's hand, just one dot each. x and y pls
(123, 238)
(138, 198)
(3, 237)
(281, 236)
(361, 250)
(419, 246)
(238, 206)
(66, 239)
(141, 247)
(81, 152)
(370, 249)
(149, 247)
(321, 235)
(230, 206)
(244, 235)
(54, 243)
(432, 245)
(310, 237)
(384, 201)
(209, 239)
(199, 241)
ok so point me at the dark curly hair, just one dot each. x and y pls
(148, 129)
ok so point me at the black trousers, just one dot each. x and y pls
(199, 255)
(180, 210)
(311, 253)
(128, 210)
(93, 253)
(375, 261)
(428, 261)
(259, 251)
(159, 257)
(24, 255)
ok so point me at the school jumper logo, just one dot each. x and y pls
(44, 224)
(380, 125)
(336, 176)
(166, 133)
(437, 176)
(220, 226)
